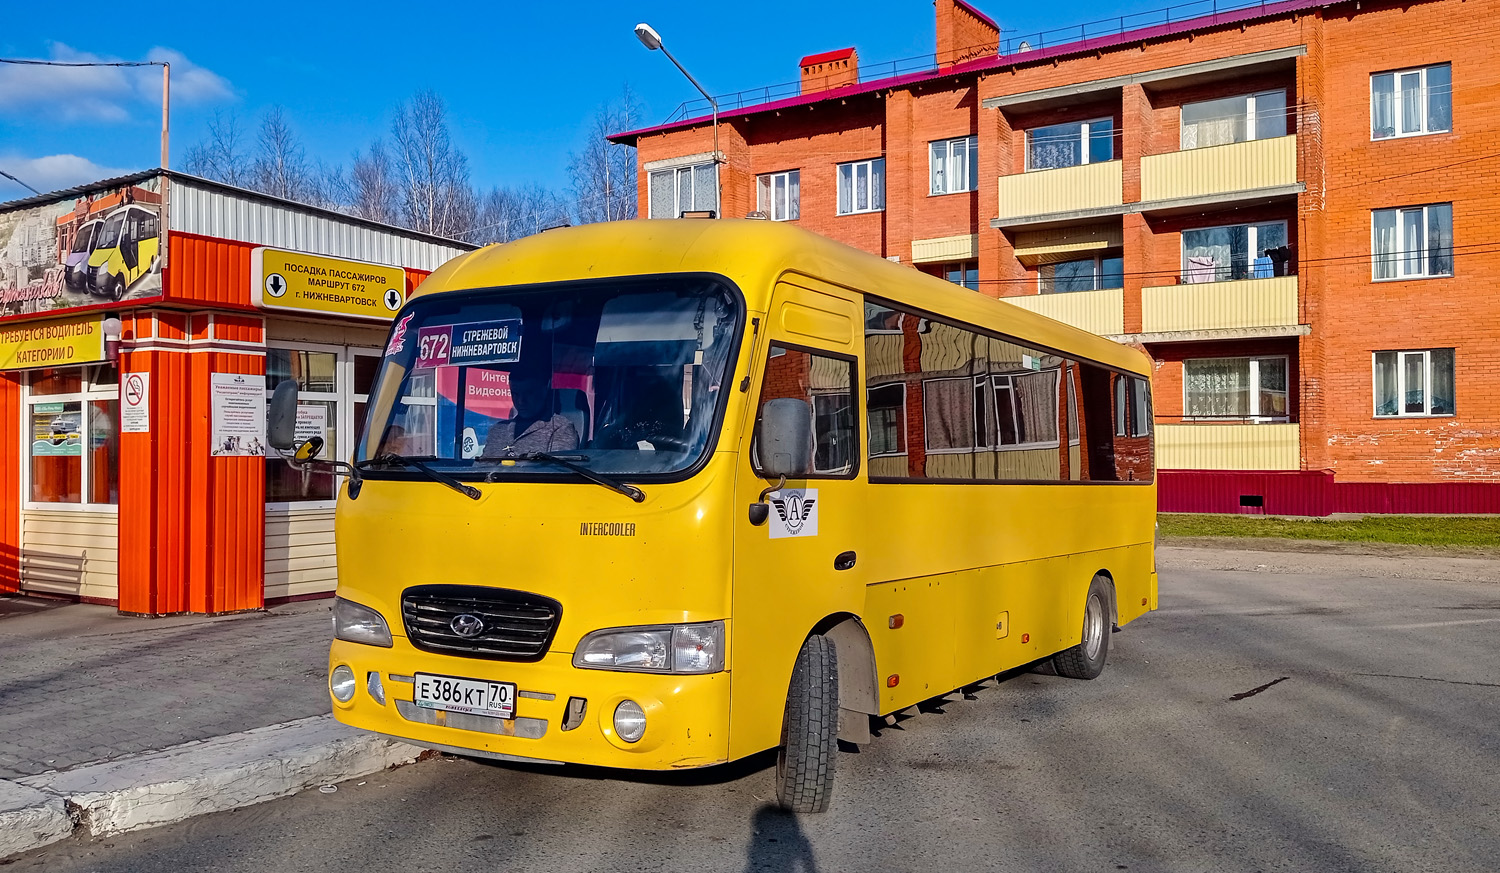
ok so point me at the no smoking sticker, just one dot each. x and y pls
(135, 403)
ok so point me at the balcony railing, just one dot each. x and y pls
(1101, 312)
(1228, 447)
(1248, 303)
(1069, 189)
(1222, 169)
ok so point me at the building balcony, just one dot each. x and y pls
(1065, 194)
(1101, 312)
(1266, 306)
(1257, 168)
(1228, 447)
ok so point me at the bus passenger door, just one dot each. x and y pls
(802, 563)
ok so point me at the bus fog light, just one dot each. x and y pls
(630, 721)
(341, 684)
(374, 686)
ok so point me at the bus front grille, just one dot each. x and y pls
(511, 625)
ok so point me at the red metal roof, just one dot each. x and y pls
(825, 57)
(1013, 60)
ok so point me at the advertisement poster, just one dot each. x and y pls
(239, 411)
(100, 247)
(56, 429)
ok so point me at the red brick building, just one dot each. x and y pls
(1291, 204)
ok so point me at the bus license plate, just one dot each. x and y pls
(472, 696)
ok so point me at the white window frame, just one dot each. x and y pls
(765, 200)
(1254, 414)
(1396, 110)
(681, 172)
(870, 419)
(946, 170)
(1401, 387)
(1252, 243)
(1083, 142)
(88, 392)
(1251, 112)
(1099, 259)
(1400, 256)
(870, 190)
(342, 397)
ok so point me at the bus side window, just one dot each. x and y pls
(826, 385)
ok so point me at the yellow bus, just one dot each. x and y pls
(667, 494)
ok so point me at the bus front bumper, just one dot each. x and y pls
(687, 717)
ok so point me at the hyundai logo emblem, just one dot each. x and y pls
(467, 625)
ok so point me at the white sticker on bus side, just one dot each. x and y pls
(794, 512)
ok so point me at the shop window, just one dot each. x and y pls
(72, 424)
(333, 387)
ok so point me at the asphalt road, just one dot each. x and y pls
(1261, 720)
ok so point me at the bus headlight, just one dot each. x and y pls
(359, 624)
(680, 648)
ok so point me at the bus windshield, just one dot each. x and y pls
(621, 377)
(84, 237)
(109, 237)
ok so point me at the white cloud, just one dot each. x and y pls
(104, 94)
(50, 173)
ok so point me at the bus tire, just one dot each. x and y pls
(117, 288)
(1086, 660)
(809, 733)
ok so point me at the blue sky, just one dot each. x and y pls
(522, 80)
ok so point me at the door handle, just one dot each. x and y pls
(844, 560)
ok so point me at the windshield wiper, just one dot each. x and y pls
(630, 491)
(468, 491)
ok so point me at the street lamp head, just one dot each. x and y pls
(648, 36)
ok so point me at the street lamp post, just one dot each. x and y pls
(652, 40)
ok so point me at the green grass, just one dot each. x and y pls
(1428, 530)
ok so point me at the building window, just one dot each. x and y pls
(1414, 383)
(779, 195)
(965, 273)
(954, 165)
(1101, 271)
(1071, 144)
(1234, 119)
(862, 186)
(1413, 242)
(677, 190)
(886, 405)
(1235, 389)
(1411, 102)
(1237, 251)
(72, 425)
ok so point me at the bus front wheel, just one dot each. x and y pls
(1086, 660)
(809, 732)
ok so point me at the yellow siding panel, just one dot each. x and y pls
(1089, 186)
(1045, 246)
(300, 555)
(1101, 312)
(945, 248)
(1227, 446)
(1212, 305)
(1241, 166)
(70, 553)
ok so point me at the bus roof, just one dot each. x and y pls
(754, 254)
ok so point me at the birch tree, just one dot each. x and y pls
(433, 176)
(603, 174)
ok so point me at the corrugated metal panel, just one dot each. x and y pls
(1417, 497)
(945, 248)
(1213, 305)
(1241, 166)
(204, 270)
(10, 481)
(73, 554)
(1102, 312)
(1302, 492)
(214, 212)
(300, 554)
(1089, 186)
(1228, 446)
(1046, 246)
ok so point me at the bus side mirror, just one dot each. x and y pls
(281, 418)
(785, 438)
(309, 449)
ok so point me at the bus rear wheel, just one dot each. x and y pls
(809, 733)
(1086, 660)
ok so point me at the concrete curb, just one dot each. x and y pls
(156, 788)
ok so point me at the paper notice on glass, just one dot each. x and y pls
(135, 403)
(239, 414)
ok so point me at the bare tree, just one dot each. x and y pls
(371, 189)
(280, 168)
(603, 174)
(507, 214)
(221, 155)
(434, 176)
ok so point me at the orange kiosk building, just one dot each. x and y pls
(143, 322)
